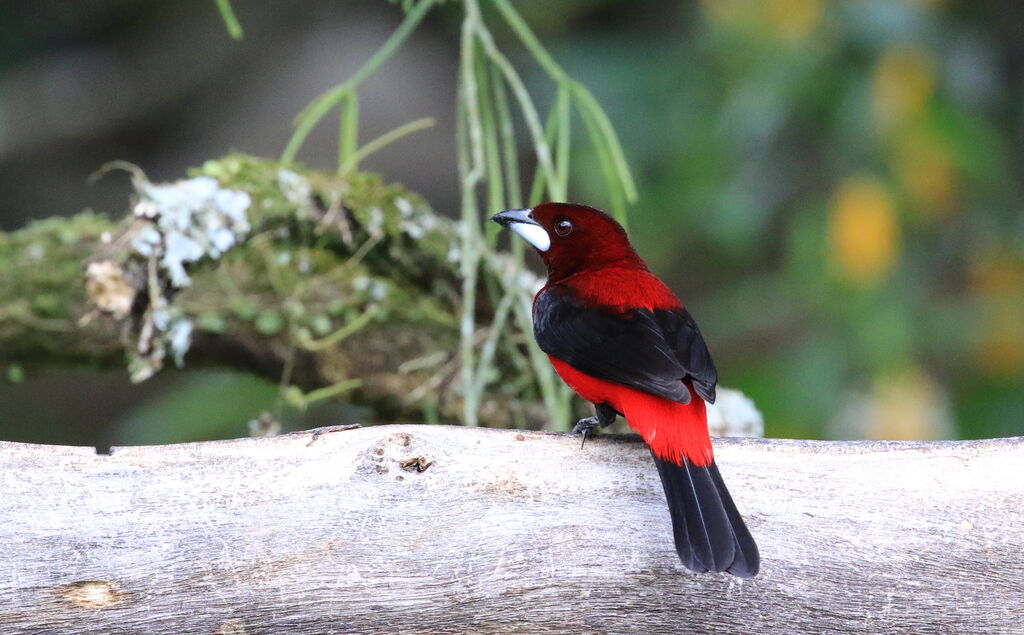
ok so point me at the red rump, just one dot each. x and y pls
(671, 429)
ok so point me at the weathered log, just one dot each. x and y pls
(443, 529)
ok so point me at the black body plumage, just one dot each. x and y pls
(652, 351)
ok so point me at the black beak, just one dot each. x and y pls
(508, 217)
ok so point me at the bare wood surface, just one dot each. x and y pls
(442, 529)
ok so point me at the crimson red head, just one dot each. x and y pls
(571, 238)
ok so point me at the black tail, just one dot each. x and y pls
(709, 531)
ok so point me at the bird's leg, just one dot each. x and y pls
(604, 416)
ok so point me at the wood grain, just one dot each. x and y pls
(431, 529)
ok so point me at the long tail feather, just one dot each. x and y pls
(709, 532)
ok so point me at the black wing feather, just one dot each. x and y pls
(652, 351)
(691, 351)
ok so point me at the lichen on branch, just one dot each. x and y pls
(337, 284)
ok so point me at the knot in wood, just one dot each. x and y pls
(94, 594)
(415, 464)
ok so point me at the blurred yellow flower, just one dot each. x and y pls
(906, 404)
(726, 11)
(909, 405)
(864, 234)
(998, 285)
(785, 19)
(903, 83)
(793, 19)
(925, 167)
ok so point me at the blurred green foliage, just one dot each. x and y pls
(832, 187)
(833, 190)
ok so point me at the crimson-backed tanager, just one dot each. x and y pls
(623, 341)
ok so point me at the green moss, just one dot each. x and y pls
(41, 260)
(42, 294)
(211, 322)
(269, 322)
(325, 245)
(321, 325)
(324, 254)
(15, 373)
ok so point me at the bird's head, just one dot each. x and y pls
(570, 238)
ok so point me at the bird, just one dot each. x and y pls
(622, 340)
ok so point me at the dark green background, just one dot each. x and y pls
(832, 187)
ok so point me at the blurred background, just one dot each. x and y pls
(833, 188)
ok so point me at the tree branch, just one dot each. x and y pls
(440, 529)
(325, 253)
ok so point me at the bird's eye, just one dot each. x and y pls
(563, 228)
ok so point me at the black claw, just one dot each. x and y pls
(584, 424)
(605, 417)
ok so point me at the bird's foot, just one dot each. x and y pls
(604, 417)
(584, 426)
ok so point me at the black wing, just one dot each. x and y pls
(652, 351)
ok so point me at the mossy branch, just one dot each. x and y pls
(348, 276)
